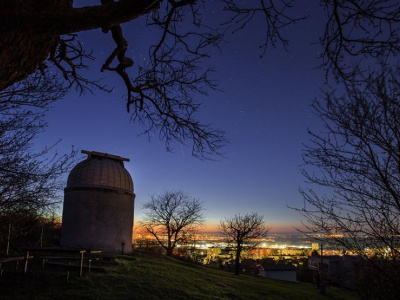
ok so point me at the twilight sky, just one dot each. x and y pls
(264, 110)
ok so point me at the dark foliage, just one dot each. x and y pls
(27, 228)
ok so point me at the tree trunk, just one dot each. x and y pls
(29, 29)
(60, 18)
(169, 251)
(237, 260)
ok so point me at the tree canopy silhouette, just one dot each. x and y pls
(356, 158)
(39, 34)
(171, 217)
(243, 232)
(30, 179)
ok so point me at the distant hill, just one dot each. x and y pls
(151, 276)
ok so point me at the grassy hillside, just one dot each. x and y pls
(147, 276)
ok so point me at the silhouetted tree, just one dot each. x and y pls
(170, 217)
(29, 178)
(160, 89)
(28, 228)
(356, 158)
(357, 31)
(243, 231)
(37, 34)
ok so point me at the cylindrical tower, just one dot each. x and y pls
(98, 205)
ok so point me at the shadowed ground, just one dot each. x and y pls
(150, 276)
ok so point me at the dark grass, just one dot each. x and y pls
(150, 276)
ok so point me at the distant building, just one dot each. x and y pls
(315, 247)
(290, 252)
(261, 252)
(98, 205)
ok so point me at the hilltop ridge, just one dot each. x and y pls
(153, 276)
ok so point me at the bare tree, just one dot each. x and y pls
(357, 31)
(28, 227)
(29, 177)
(243, 231)
(160, 89)
(171, 216)
(356, 158)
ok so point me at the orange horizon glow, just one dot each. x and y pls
(212, 227)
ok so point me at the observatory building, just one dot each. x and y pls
(98, 205)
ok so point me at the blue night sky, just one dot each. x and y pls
(264, 109)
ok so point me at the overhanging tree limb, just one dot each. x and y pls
(65, 19)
